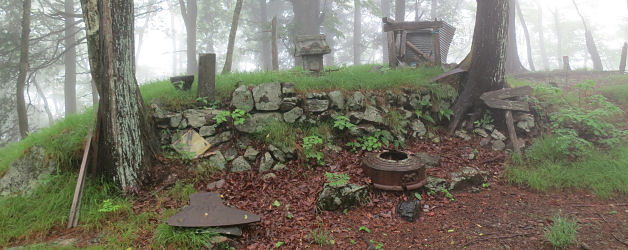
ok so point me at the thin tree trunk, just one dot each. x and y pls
(41, 94)
(69, 59)
(189, 13)
(434, 12)
(264, 43)
(274, 49)
(591, 47)
(232, 35)
(526, 33)
(513, 62)
(559, 38)
(307, 21)
(142, 30)
(124, 137)
(385, 5)
(544, 58)
(488, 57)
(173, 39)
(400, 10)
(330, 59)
(21, 79)
(357, 32)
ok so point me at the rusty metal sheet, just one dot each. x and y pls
(191, 143)
(207, 210)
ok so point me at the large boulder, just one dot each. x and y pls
(356, 101)
(266, 163)
(267, 96)
(316, 102)
(293, 115)
(218, 161)
(257, 121)
(26, 173)
(242, 98)
(371, 114)
(339, 197)
(337, 99)
(467, 177)
(240, 165)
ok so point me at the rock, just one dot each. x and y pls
(429, 160)
(462, 134)
(337, 100)
(207, 131)
(230, 153)
(489, 127)
(293, 115)
(498, 135)
(266, 163)
(279, 166)
(218, 161)
(176, 121)
(356, 101)
(257, 121)
(334, 198)
(277, 153)
(316, 105)
(409, 210)
(26, 173)
(526, 122)
(216, 240)
(362, 130)
(435, 184)
(418, 129)
(480, 132)
(242, 98)
(498, 145)
(199, 118)
(467, 177)
(485, 141)
(407, 115)
(216, 184)
(288, 89)
(165, 137)
(436, 139)
(240, 165)
(269, 176)
(288, 103)
(250, 154)
(219, 138)
(371, 114)
(267, 96)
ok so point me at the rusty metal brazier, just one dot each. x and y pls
(394, 170)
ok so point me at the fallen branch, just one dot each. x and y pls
(617, 238)
(499, 157)
(496, 238)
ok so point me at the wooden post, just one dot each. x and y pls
(436, 44)
(274, 44)
(566, 66)
(392, 50)
(207, 76)
(512, 133)
(622, 63)
(402, 45)
(80, 184)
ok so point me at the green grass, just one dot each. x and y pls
(278, 133)
(617, 93)
(563, 232)
(603, 172)
(179, 238)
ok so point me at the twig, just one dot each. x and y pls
(496, 238)
(617, 238)
(492, 159)
(370, 245)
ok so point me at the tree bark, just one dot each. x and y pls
(232, 35)
(400, 10)
(357, 32)
(559, 38)
(69, 59)
(622, 62)
(275, 50)
(434, 10)
(385, 6)
(124, 137)
(307, 20)
(488, 57)
(41, 94)
(591, 47)
(264, 42)
(330, 59)
(544, 58)
(526, 33)
(513, 63)
(23, 69)
(189, 13)
(173, 38)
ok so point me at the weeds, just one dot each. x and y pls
(336, 180)
(563, 232)
(311, 149)
(172, 237)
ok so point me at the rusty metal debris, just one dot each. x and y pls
(207, 210)
(394, 170)
(191, 143)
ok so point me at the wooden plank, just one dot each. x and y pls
(512, 133)
(416, 50)
(392, 50)
(507, 93)
(436, 45)
(507, 105)
(80, 183)
(275, 53)
(391, 25)
(402, 45)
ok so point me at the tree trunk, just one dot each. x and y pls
(189, 14)
(232, 35)
(357, 32)
(69, 59)
(513, 63)
(622, 62)
(400, 10)
(21, 79)
(41, 94)
(559, 38)
(264, 42)
(526, 33)
(330, 59)
(307, 20)
(434, 12)
(274, 49)
(591, 47)
(124, 137)
(142, 30)
(544, 58)
(173, 38)
(385, 5)
(488, 57)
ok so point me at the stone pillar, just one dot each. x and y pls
(207, 76)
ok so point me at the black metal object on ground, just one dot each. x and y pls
(394, 171)
(207, 210)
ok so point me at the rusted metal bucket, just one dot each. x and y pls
(394, 170)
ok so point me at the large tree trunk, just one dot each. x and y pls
(385, 6)
(400, 10)
(488, 57)
(544, 58)
(69, 59)
(232, 35)
(559, 38)
(307, 20)
(189, 14)
(513, 63)
(264, 43)
(123, 135)
(21, 78)
(357, 32)
(526, 33)
(591, 47)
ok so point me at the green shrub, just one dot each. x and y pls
(311, 149)
(336, 180)
(563, 232)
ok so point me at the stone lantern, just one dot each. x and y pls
(311, 49)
